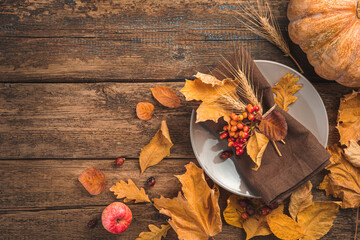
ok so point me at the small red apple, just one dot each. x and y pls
(116, 217)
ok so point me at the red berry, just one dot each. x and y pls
(226, 127)
(231, 139)
(244, 216)
(240, 126)
(224, 135)
(264, 211)
(239, 151)
(120, 161)
(226, 154)
(246, 129)
(246, 134)
(151, 181)
(251, 117)
(250, 108)
(92, 223)
(274, 205)
(236, 135)
(243, 203)
(243, 140)
(236, 144)
(256, 108)
(250, 210)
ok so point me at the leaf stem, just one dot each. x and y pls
(297, 64)
(357, 221)
(276, 148)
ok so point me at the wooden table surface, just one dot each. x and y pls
(72, 72)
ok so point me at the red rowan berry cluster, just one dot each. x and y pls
(248, 209)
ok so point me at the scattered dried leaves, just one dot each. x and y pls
(300, 199)
(130, 192)
(166, 96)
(274, 126)
(256, 147)
(93, 180)
(196, 213)
(285, 90)
(144, 110)
(285, 227)
(352, 153)
(157, 149)
(155, 234)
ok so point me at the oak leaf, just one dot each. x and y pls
(343, 181)
(157, 149)
(195, 214)
(284, 227)
(349, 118)
(144, 110)
(300, 199)
(256, 147)
(155, 234)
(285, 90)
(317, 219)
(166, 96)
(93, 180)
(129, 191)
(352, 153)
(274, 126)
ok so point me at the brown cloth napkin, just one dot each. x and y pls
(302, 155)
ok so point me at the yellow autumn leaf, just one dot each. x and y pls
(284, 227)
(157, 149)
(343, 179)
(352, 153)
(155, 233)
(349, 118)
(256, 147)
(129, 191)
(317, 219)
(285, 90)
(195, 214)
(232, 211)
(300, 199)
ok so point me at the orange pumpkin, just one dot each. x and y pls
(328, 31)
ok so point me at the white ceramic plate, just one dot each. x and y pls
(309, 110)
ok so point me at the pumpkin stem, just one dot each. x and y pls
(358, 10)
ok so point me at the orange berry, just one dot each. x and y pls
(240, 126)
(240, 117)
(226, 127)
(245, 114)
(230, 144)
(246, 129)
(251, 117)
(233, 123)
(231, 134)
(233, 128)
(237, 135)
(241, 134)
(234, 116)
(250, 108)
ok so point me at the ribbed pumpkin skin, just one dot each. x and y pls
(328, 31)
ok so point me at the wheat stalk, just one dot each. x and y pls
(262, 22)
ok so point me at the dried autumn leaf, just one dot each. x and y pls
(284, 227)
(352, 153)
(256, 147)
(130, 192)
(274, 126)
(157, 149)
(144, 110)
(285, 89)
(155, 234)
(317, 219)
(343, 181)
(166, 96)
(208, 79)
(349, 118)
(232, 211)
(93, 180)
(196, 214)
(300, 199)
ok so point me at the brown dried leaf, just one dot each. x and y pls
(93, 181)
(285, 89)
(196, 214)
(349, 118)
(284, 227)
(274, 126)
(300, 199)
(352, 153)
(256, 147)
(157, 149)
(144, 110)
(166, 96)
(129, 191)
(343, 181)
(155, 233)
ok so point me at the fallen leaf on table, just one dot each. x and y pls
(343, 180)
(317, 219)
(232, 211)
(157, 149)
(155, 234)
(352, 153)
(349, 118)
(144, 110)
(256, 147)
(195, 214)
(285, 90)
(129, 191)
(274, 126)
(166, 96)
(300, 199)
(284, 227)
(93, 180)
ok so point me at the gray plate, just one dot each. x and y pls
(309, 110)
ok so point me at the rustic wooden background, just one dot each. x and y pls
(72, 72)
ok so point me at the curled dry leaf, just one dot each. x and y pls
(349, 118)
(195, 214)
(155, 234)
(274, 126)
(285, 90)
(285, 227)
(256, 147)
(144, 110)
(157, 149)
(166, 96)
(300, 199)
(130, 192)
(93, 180)
(352, 153)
